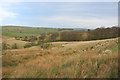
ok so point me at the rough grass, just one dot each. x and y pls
(100, 61)
(12, 40)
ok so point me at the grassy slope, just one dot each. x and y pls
(24, 31)
(96, 59)
(17, 31)
(9, 32)
(12, 40)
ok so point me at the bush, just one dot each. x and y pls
(54, 36)
(14, 46)
(5, 46)
(25, 38)
(17, 38)
(27, 45)
(45, 46)
(33, 44)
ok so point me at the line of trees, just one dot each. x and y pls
(96, 34)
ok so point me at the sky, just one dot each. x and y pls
(59, 14)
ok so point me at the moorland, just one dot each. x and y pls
(33, 52)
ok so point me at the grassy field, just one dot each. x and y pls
(81, 59)
(17, 31)
(12, 40)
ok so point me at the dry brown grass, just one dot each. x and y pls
(62, 63)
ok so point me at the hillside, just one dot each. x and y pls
(59, 53)
(84, 59)
(20, 31)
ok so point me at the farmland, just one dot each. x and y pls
(59, 59)
(20, 31)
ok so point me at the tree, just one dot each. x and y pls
(54, 36)
(5, 46)
(27, 45)
(14, 46)
(89, 30)
(26, 38)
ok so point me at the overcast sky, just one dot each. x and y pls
(60, 14)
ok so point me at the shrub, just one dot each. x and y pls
(25, 38)
(5, 46)
(14, 46)
(17, 38)
(33, 44)
(54, 36)
(33, 38)
(27, 45)
(45, 46)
